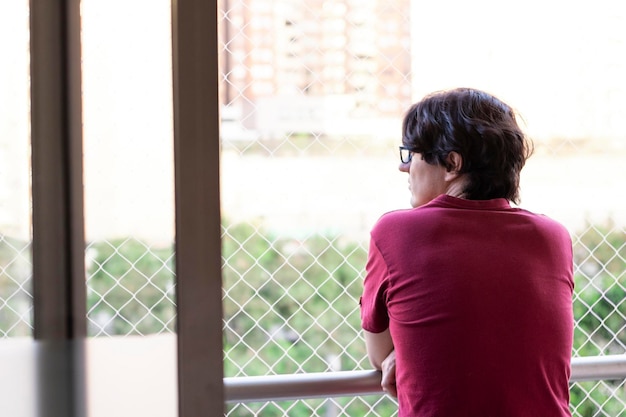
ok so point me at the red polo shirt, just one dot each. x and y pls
(477, 296)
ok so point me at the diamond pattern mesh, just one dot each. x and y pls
(15, 288)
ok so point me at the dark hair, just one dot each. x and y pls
(479, 127)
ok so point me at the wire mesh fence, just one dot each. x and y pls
(130, 288)
(307, 86)
(15, 288)
(291, 306)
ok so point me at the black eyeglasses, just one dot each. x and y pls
(405, 154)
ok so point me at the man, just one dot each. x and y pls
(467, 300)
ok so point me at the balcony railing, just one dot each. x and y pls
(140, 374)
(355, 383)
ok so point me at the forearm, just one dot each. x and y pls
(379, 346)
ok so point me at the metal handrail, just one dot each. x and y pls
(357, 383)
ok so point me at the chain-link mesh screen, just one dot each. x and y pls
(313, 94)
(16, 299)
(600, 314)
(130, 288)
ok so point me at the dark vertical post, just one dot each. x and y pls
(58, 231)
(198, 242)
(57, 181)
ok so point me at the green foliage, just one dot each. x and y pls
(599, 313)
(600, 294)
(130, 288)
(294, 298)
(291, 306)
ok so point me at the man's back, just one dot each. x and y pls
(478, 296)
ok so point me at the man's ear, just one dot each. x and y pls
(454, 163)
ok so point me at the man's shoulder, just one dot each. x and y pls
(397, 220)
(546, 222)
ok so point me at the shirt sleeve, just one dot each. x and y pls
(374, 315)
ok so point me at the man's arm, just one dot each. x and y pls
(379, 346)
(382, 356)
